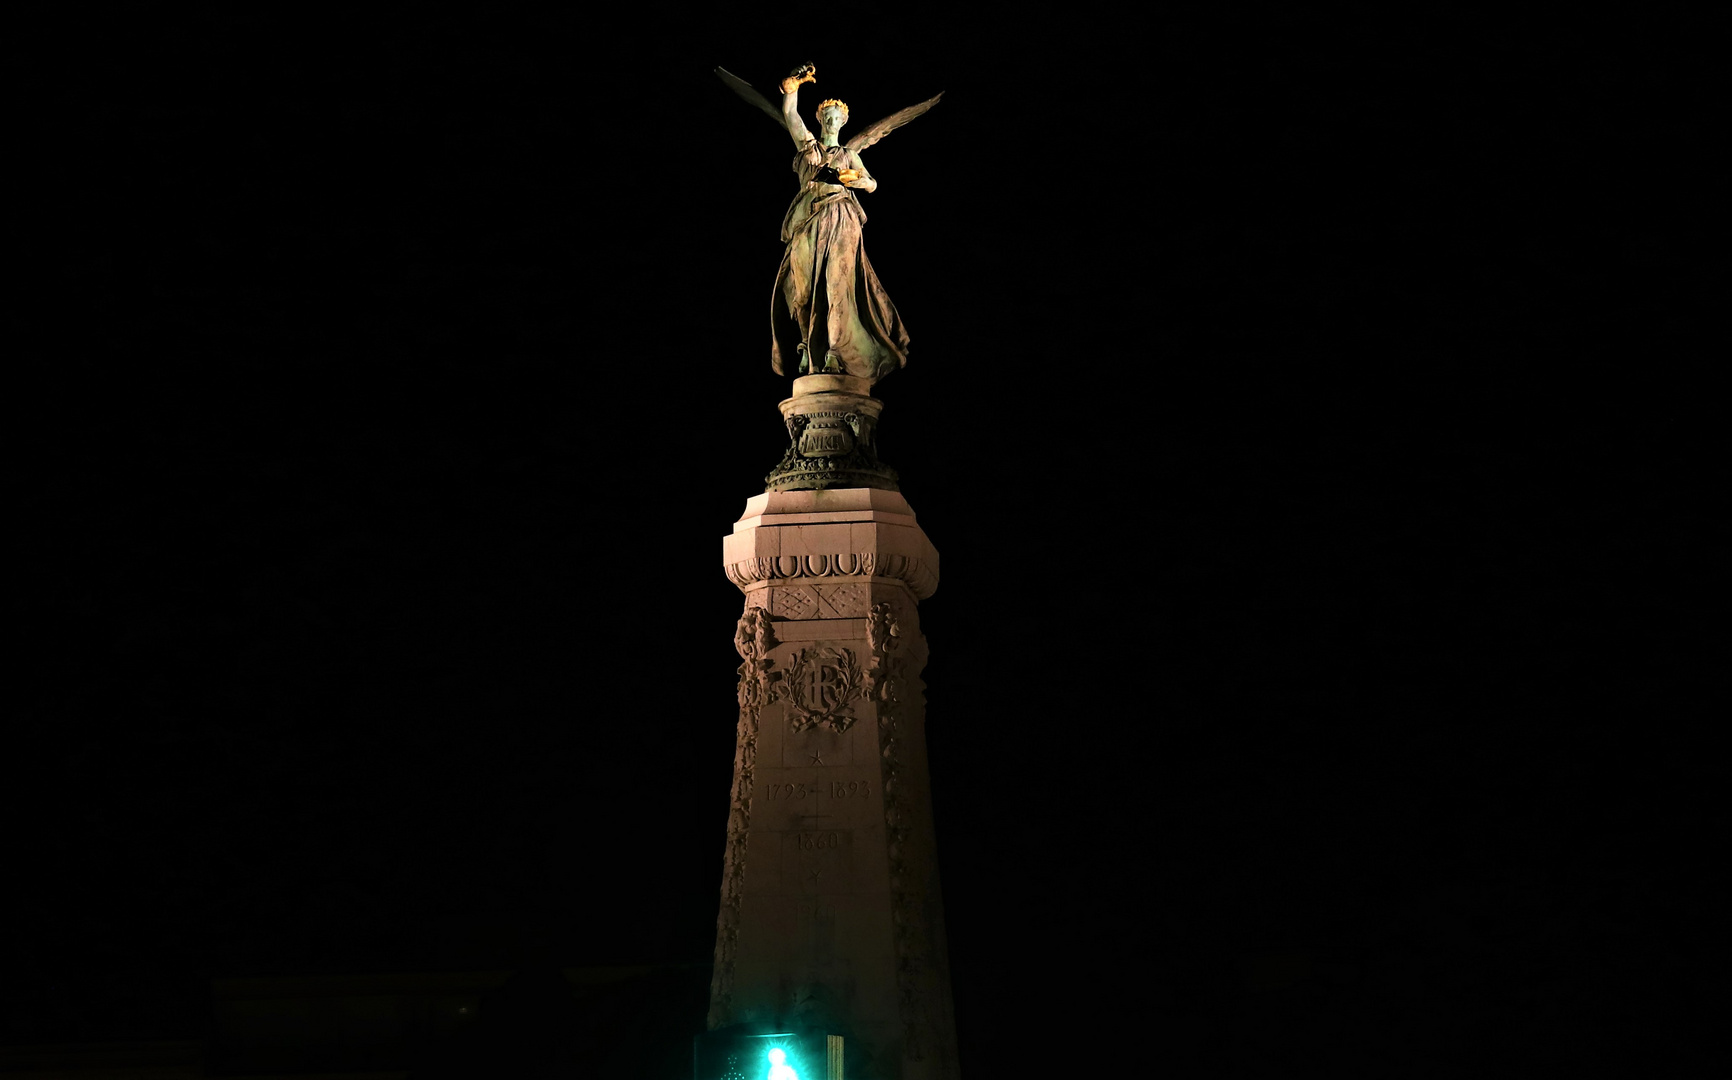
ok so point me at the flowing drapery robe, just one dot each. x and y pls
(827, 295)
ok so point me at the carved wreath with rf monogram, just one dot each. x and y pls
(821, 683)
(818, 687)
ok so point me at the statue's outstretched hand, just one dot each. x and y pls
(805, 73)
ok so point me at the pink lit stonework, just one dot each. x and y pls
(831, 915)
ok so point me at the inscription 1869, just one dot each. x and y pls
(836, 789)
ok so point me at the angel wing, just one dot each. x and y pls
(890, 123)
(744, 89)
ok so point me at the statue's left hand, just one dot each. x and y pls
(847, 176)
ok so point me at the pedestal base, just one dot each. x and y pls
(832, 421)
(831, 916)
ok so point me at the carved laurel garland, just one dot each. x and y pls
(753, 639)
(791, 689)
(921, 579)
(907, 895)
(882, 637)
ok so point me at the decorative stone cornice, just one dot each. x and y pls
(920, 577)
(795, 537)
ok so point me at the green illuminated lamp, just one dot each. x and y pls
(739, 1054)
(779, 1067)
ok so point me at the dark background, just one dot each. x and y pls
(1306, 408)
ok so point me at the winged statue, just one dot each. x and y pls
(829, 310)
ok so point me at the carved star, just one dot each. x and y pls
(818, 757)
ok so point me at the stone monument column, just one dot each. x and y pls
(831, 917)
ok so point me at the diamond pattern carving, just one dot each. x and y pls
(841, 601)
(794, 602)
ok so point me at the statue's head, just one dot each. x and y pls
(832, 114)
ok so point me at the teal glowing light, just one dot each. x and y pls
(779, 1067)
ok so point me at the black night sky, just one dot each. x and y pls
(1306, 408)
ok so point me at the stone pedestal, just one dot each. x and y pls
(831, 915)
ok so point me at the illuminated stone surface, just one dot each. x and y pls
(831, 914)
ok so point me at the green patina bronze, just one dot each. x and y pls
(829, 314)
(829, 309)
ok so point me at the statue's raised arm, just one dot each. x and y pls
(830, 313)
(803, 140)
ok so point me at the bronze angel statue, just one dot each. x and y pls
(828, 303)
